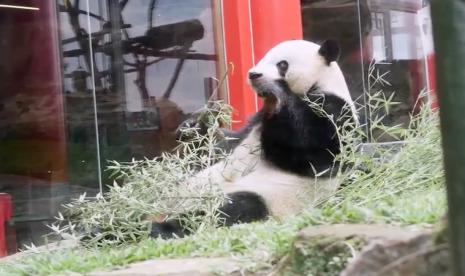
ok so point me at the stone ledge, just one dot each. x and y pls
(364, 231)
(177, 267)
(53, 246)
(328, 249)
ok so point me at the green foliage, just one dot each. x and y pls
(320, 255)
(151, 189)
(406, 188)
(395, 185)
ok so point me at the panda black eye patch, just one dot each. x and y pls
(282, 67)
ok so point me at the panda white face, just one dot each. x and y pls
(290, 61)
(301, 65)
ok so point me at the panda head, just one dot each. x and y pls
(302, 66)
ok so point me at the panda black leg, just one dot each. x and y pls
(243, 207)
(168, 229)
(240, 207)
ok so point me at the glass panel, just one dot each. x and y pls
(33, 155)
(153, 66)
(87, 84)
(395, 35)
(339, 19)
(401, 46)
(78, 97)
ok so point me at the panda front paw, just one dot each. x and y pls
(189, 129)
(167, 230)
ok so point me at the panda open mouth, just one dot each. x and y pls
(266, 89)
(265, 94)
(271, 101)
(272, 94)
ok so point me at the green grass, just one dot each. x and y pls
(253, 239)
(406, 187)
(260, 244)
(320, 255)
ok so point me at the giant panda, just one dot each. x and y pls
(284, 158)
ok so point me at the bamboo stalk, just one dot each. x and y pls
(449, 37)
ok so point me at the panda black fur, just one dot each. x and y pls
(286, 153)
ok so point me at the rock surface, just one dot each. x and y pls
(178, 267)
(417, 256)
(385, 250)
(364, 231)
(330, 249)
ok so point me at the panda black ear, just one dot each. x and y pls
(329, 50)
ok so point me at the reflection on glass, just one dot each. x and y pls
(147, 70)
(108, 81)
(394, 34)
(401, 45)
(339, 19)
(33, 155)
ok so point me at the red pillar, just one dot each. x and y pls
(430, 59)
(274, 21)
(6, 211)
(251, 28)
(239, 49)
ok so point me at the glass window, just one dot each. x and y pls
(392, 37)
(84, 82)
(340, 20)
(401, 48)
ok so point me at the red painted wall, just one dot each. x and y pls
(238, 46)
(432, 80)
(274, 21)
(6, 211)
(251, 28)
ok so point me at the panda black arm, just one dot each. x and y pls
(242, 207)
(168, 229)
(227, 139)
(299, 139)
(331, 104)
(234, 138)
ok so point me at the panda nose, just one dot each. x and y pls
(254, 76)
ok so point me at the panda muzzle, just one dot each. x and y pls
(266, 89)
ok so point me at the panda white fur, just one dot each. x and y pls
(285, 155)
